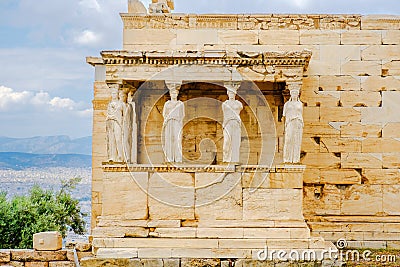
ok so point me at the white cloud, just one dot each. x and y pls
(300, 3)
(62, 103)
(9, 98)
(92, 4)
(87, 37)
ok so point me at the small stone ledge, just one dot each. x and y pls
(123, 167)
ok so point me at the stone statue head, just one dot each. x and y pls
(114, 93)
(294, 94)
(174, 94)
(231, 93)
(122, 96)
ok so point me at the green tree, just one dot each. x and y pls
(41, 210)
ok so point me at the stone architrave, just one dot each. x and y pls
(173, 113)
(232, 123)
(114, 127)
(134, 129)
(293, 113)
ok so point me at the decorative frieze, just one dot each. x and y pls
(241, 22)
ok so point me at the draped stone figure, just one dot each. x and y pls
(293, 113)
(231, 109)
(127, 113)
(114, 124)
(134, 131)
(173, 113)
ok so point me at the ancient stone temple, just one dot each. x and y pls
(216, 136)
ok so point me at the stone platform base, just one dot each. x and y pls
(190, 262)
(221, 248)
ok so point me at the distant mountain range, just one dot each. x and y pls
(47, 145)
(45, 151)
(21, 161)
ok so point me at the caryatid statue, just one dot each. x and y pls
(232, 124)
(173, 113)
(114, 127)
(134, 129)
(293, 113)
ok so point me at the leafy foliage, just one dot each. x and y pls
(41, 210)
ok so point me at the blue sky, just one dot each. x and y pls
(45, 84)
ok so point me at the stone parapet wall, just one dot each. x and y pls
(32, 258)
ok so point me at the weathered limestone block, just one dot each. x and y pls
(391, 130)
(31, 255)
(361, 160)
(318, 201)
(119, 253)
(320, 129)
(181, 232)
(321, 160)
(5, 255)
(340, 83)
(319, 37)
(392, 68)
(381, 52)
(378, 83)
(275, 37)
(256, 180)
(83, 246)
(391, 160)
(391, 199)
(360, 99)
(286, 180)
(49, 241)
(238, 37)
(95, 262)
(149, 36)
(331, 59)
(380, 145)
(309, 144)
(311, 114)
(36, 264)
(125, 194)
(390, 37)
(364, 37)
(355, 129)
(362, 200)
(340, 176)
(380, 22)
(337, 145)
(218, 196)
(362, 68)
(118, 231)
(382, 176)
(200, 262)
(267, 204)
(171, 196)
(198, 37)
(61, 264)
(312, 176)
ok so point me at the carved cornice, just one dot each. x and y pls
(219, 58)
(241, 21)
